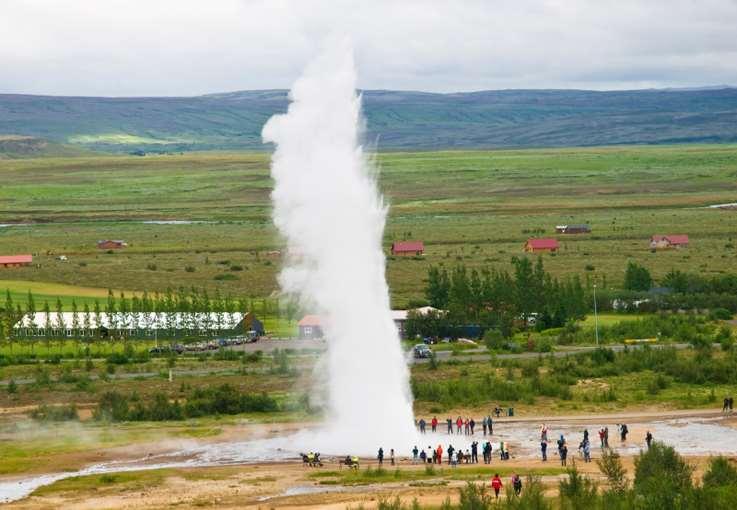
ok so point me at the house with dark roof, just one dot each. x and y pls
(539, 245)
(15, 260)
(415, 248)
(658, 242)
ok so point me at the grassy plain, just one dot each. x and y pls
(472, 206)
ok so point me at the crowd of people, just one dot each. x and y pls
(459, 426)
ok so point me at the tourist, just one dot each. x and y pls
(544, 450)
(465, 427)
(380, 456)
(391, 456)
(496, 484)
(544, 433)
(459, 425)
(487, 452)
(490, 425)
(563, 454)
(586, 447)
(434, 424)
(471, 424)
(517, 484)
(450, 425)
(606, 437)
(415, 451)
(485, 425)
(450, 453)
(601, 438)
(586, 435)
(440, 454)
(475, 452)
(648, 439)
(422, 425)
(434, 455)
(561, 443)
(623, 431)
(725, 405)
(423, 457)
(459, 456)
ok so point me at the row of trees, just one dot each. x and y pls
(499, 299)
(118, 312)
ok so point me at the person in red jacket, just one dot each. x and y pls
(459, 424)
(440, 454)
(434, 423)
(496, 484)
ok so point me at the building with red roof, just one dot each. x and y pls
(416, 248)
(15, 260)
(537, 245)
(310, 326)
(658, 242)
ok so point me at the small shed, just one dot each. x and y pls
(410, 248)
(659, 242)
(310, 326)
(109, 244)
(573, 229)
(15, 260)
(538, 245)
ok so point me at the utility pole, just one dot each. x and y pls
(596, 319)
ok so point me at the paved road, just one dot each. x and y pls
(483, 355)
(311, 347)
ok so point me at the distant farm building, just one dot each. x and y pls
(400, 318)
(668, 241)
(15, 260)
(573, 229)
(310, 326)
(136, 324)
(416, 248)
(538, 245)
(111, 244)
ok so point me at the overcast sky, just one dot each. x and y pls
(188, 47)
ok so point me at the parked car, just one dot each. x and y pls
(422, 351)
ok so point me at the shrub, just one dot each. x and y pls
(12, 387)
(55, 413)
(720, 314)
(151, 267)
(720, 473)
(225, 276)
(189, 269)
(118, 358)
(236, 267)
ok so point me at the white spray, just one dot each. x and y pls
(327, 206)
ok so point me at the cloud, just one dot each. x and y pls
(186, 47)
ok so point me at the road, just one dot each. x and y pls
(313, 347)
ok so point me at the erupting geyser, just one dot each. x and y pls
(327, 206)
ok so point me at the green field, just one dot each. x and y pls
(477, 207)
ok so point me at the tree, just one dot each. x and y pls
(637, 278)
(662, 476)
(577, 492)
(438, 287)
(610, 465)
(59, 322)
(75, 318)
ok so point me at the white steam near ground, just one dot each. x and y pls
(328, 208)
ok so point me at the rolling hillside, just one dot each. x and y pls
(396, 120)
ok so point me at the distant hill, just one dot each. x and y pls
(396, 119)
(20, 146)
